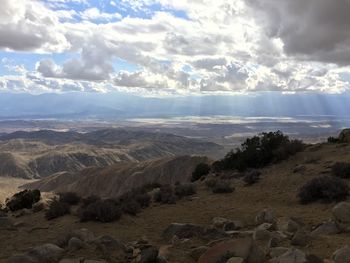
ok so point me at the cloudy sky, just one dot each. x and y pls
(175, 46)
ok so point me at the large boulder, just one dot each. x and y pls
(243, 248)
(344, 136)
(341, 212)
(265, 216)
(46, 253)
(342, 255)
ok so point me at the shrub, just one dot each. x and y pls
(183, 190)
(251, 177)
(70, 198)
(23, 199)
(259, 151)
(341, 170)
(89, 200)
(332, 140)
(102, 211)
(201, 170)
(165, 195)
(143, 199)
(222, 186)
(57, 209)
(210, 183)
(131, 207)
(324, 188)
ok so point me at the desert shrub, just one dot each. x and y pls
(331, 139)
(182, 190)
(57, 209)
(251, 177)
(201, 170)
(211, 182)
(259, 151)
(89, 200)
(222, 186)
(131, 207)
(341, 170)
(323, 188)
(23, 199)
(144, 200)
(102, 211)
(165, 195)
(70, 198)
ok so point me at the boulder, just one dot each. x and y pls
(344, 136)
(327, 228)
(149, 255)
(292, 256)
(183, 231)
(291, 226)
(341, 212)
(342, 255)
(83, 234)
(277, 251)
(75, 244)
(46, 253)
(301, 238)
(244, 248)
(195, 253)
(266, 216)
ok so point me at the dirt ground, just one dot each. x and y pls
(277, 190)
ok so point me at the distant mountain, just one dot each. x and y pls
(42, 153)
(117, 179)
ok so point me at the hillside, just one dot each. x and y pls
(42, 153)
(276, 192)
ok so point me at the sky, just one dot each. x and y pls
(175, 47)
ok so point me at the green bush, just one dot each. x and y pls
(70, 198)
(57, 209)
(182, 190)
(101, 211)
(259, 151)
(23, 199)
(201, 170)
(131, 207)
(323, 188)
(341, 170)
(222, 187)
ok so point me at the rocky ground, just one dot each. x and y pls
(260, 223)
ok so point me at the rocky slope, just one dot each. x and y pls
(42, 153)
(117, 179)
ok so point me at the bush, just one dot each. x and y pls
(323, 188)
(102, 211)
(341, 170)
(251, 177)
(183, 190)
(201, 170)
(70, 198)
(89, 200)
(57, 209)
(131, 207)
(259, 151)
(210, 183)
(23, 199)
(222, 186)
(165, 195)
(332, 140)
(143, 199)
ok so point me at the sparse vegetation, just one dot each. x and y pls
(183, 190)
(332, 139)
(89, 200)
(258, 151)
(165, 195)
(143, 199)
(57, 209)
(251, 177)
(323, 188)
(341, 170)
(23, 199)
(101, 210)
(70, 198)
(211, 182)
(222, 186)
(131, 207)
(201, 170)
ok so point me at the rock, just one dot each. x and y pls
(83, 234)
(75, 243)
(21, 259)
(266, 216)
(299, 168)
(149, 255)
(164, 251)
(301, 238)
(109, 242)
(292, 256)
(261, 234)
(22, 212)
(344, 136)
(213, 233)
(46, 253)
(273, 242)
(313, 259)
(244, 248)
(235, 260)
(342, 255)
(161, 260)
(195, 253)
(291, 226)
(219, 222)
(277, 251)
(183, 231)
(327, 228)
(341, 212)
